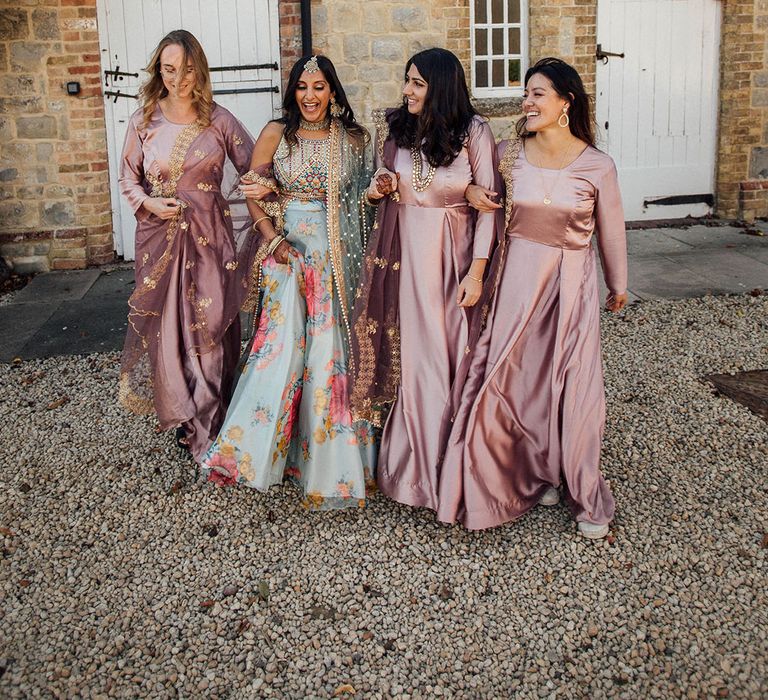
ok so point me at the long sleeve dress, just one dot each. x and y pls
(532, 411)
(439, 236)
(183, 335)
(289, 416)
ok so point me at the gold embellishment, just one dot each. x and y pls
(204, 186)
(380, 262)
(149, 282)
(253, 177)
(382, 130)
(238, 141)
(183, 225)
(312, 66)
(396, 266)
(144, 258)
(227, 212)
(131, 400)
(200, 154)
(334, 239)
(202, 240)
(231, 265)
(189, 264)
(251, 301)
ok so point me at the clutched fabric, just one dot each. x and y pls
(375, 376)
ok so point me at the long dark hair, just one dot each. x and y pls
(567, 83)
(292, 113)
(443, 125)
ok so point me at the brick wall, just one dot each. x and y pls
(54, 194)
(742, 169)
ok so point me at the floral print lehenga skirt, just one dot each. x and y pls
(289, 416)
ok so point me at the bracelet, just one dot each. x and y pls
(274, 243)
(473, 278)
(256, 223)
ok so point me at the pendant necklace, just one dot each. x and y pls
(548, 194)
(420, 184)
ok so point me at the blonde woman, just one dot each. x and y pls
(183, 334)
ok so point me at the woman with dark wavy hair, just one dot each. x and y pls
(529, 418)
(183, 335)
(423, 271)
(289, 415)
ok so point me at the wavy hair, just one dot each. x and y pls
(292, 113)
(567, 83)
(442, 127)
(153, 89)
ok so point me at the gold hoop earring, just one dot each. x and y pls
(336, 109)
(567, 119)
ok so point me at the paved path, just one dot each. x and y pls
(71, 313)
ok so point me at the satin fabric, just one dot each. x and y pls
(439, 237)
(183, 335)
(532, 411)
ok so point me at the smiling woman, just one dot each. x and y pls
(290, 413)
(183, 333)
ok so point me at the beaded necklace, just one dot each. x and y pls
(420, 184)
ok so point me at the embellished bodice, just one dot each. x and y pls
(302, 170)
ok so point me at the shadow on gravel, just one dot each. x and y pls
(747, 388)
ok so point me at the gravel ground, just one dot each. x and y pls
(124, 576)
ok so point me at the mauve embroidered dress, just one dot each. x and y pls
(439, 236)
(532, 410)
(183, 314)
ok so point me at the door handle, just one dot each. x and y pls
(601, 55)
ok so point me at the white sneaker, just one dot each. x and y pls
(592, 531)
(551, 497)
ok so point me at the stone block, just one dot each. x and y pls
(15, 105)
(30, 192)
(58, 213)
(68, 264)
(15, 214)
(3, 58)
(28, 56)
(6, 192)
(44, 152)
(388, 50)
(57, 191)
(378, 72)
(760, 97)
(17, 85)
(8, 174)
(357, 48)
(377, 19)
(42, 127)
(14, 24)
(31, 263)
(345, 16)
(758, 163)
(409, 19)
(16, 153)
(45, 24)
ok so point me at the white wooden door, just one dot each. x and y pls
(232, 33)
(657, 106)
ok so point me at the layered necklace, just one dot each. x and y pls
(323, 125)
(553, 184)
(420, 183)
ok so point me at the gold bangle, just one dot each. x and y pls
(274, 243)
(256, 223)
(474, 278)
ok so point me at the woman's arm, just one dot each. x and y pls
(481, 149)
(612, 238)
(263, 152)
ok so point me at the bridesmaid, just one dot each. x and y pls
(423, 269)
(183, 336)
(530, 416)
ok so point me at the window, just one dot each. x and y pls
(499, 44)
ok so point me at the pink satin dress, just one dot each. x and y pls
(532, 410)
(439, 236)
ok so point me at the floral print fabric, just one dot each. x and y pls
(289, 415)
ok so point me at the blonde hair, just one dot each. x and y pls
(154, 90)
